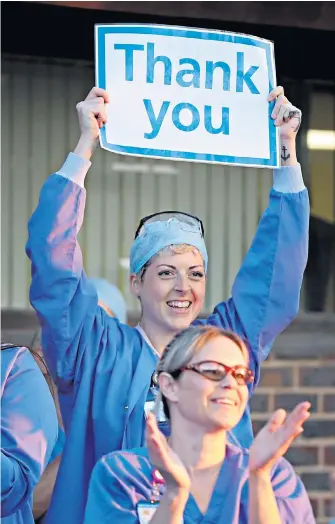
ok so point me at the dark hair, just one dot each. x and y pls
(36, 343)
(46, 375)
(143, 270)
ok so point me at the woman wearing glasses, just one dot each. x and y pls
(104, 369)
(198, 475)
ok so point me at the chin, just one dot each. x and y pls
(181, 323)
(225, 423)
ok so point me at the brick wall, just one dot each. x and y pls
(302, 367)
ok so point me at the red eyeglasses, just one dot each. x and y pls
(217, 371)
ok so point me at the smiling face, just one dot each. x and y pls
(204, 402)
(172, 290)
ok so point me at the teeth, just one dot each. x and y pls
(179, 304)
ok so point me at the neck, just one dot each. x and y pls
(159, 339)
(196, 448)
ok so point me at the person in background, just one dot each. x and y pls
(110, 299)
(113, 302)
(197, 475)
(28, 432)
(44, 488)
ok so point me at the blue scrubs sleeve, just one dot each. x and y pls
(28, 428)
(266, 292)
(65, 300)
(291, 496)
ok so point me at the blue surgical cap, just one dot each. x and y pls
(112, 297)
(156, 236)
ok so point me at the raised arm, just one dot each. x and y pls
(64, 299)
(266, 291)
(28, 428)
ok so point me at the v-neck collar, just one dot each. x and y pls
(146, 338)
(221, 492)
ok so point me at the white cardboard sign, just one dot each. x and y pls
(187, 94)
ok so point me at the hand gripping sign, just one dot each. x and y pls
(187, 94)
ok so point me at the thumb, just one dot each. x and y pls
(277, 420)
(98, 92)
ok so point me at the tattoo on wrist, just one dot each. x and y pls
(285, 155)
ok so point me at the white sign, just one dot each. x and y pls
(187, 94)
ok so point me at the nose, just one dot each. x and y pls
(182, 283)
(228, 382)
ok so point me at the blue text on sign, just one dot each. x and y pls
(193, 70)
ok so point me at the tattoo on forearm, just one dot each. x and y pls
(297, 116)
(285, 155)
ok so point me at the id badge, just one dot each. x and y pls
(146, 510)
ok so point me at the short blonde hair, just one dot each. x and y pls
(172, 250)
(188, 343)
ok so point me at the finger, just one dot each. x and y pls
(150, 426)
(277, 91)
(299, 408)
(288, 112)
(299, 414)
(101, 118)
(95, 106)
(294, 423)
(278, 105)
(296, 115)
(152, 422)
(153, 431)
(276, 420)
(98, 108)
(98, 92)
(160, 451)
(283, 115)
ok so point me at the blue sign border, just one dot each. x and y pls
(103, 30)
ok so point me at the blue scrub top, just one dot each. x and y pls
(28, 433)
(121, 480)
(103, 368)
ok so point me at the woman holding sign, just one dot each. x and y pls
(203, 377)
(104, 369)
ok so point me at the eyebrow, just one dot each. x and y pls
(220, 363)
(174, 267)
